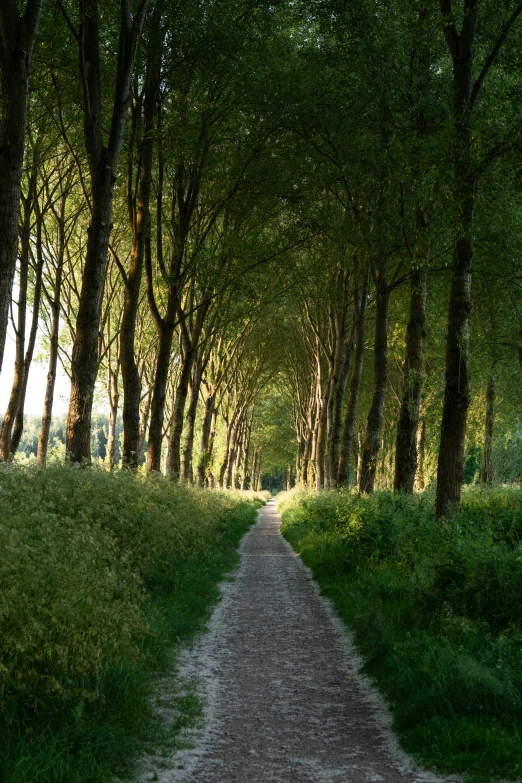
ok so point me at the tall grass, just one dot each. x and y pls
(436, 609)
(100, 577)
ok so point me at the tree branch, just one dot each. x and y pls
(494, 52)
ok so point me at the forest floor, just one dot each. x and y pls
(284, 698)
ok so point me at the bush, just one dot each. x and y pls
(96, 571)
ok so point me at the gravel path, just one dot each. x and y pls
(285, 702)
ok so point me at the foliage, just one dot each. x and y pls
(96, 576)
(436, 610)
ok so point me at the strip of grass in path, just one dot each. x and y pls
(99, 738)
(433, 608)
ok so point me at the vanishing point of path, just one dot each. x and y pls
(286, 704)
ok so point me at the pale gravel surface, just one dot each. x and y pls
(285, 702)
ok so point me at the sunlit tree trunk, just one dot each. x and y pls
(204, 442)
(54, 304)
(420, 481)
(190, 422)
(406, 451)
(114, 399)
(465, 90)
(347, 440)
(17, 37)
(139, 216)
(486, 474)
(18, 376)
(370, 447)
(103, 161)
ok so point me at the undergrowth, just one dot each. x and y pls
(436, 610)
(101, 576)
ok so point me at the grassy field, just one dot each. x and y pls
(436, 610)
(101, 578)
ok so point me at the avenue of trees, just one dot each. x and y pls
(273, 236)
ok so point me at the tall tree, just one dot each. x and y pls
(465, 91)
(103, 157)
(17, 38)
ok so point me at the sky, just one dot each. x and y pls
(37, 379)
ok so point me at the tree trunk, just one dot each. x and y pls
(16, 49)
(224, 464)
(84, 361)
(140, 225)
(360, 303)
(254, 469)
(450, 468)
(159, 392)
(486, 474)
(180, 399)
(420, 481)
(18, 376)
(406, 451)
(190, 422)
(370, 447)
(19, 419)
(144, 420)
(232, 452)
(204, 443)
(320, 448)
(114, 399)
(103, 162)
(43, 439)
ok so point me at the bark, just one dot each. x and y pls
(246, 451)
(253, 479)
(139, 214)
(205, 439)
(114, 399)
(406, 451)
(232, 451)
(486, 474)
(450, 469)
(190, 422)
(17, 387)
(210, 448)
(17, 37)
(224, 464)
(180, 399)
(320, 448)
(347, 440)
(337, 415)
(14, 416)
(159, 391)
(371, 443)
(421, 447)
(103, 161)
(19, 419)
(43, 438)
(144, 421)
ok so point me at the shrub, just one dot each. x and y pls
(96, 576)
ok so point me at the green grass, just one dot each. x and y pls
(102, 579)
(436, 610)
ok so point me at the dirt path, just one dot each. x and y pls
(285, 701)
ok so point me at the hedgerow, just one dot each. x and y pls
(96, 576)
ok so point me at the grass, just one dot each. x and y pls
(436, 611)
(102, 579)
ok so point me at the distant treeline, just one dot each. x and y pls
(99, 435)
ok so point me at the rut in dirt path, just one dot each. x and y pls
(285, 701)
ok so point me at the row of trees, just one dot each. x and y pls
(418, 158)
(224, 211)
(141, 215)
